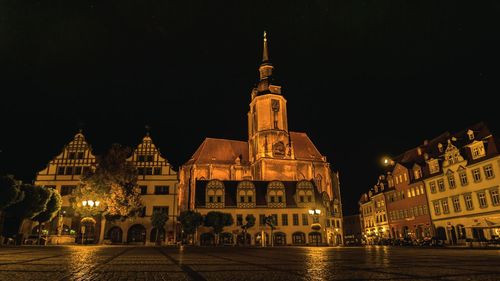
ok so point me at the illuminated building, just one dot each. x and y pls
(156, 179)
(276, 172)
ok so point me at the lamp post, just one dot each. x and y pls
(315, 213)
(89, 204)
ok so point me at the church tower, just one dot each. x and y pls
(268, 135)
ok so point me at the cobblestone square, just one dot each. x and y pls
(122, 263)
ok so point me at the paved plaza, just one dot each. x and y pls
(112, 263)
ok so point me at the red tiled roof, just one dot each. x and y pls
(303, 147)
(220, 151)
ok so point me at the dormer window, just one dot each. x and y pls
(470, 133)
(417, 173)
(246, 193)
(215, 194)
(440, 147)
(305, 192)
(452, 155)
(477, 150)
(433, 166)
(276, 195)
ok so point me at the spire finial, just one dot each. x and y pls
(265, 55)
(147, 127)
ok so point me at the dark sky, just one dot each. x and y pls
(362, 78)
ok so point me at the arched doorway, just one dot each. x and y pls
(314, 238)
(298, 238)
(279, 239)
(441, 233)
(136, 234)
(160, 232)
(258, 239)
(240, 240)
(115, 234)
(207, 239)
(226, 238)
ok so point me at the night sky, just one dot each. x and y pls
(362, 78)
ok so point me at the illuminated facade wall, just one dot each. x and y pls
(157, 180)
(272, 152)
(463, 190)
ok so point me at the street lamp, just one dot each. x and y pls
(315, 213)
(89, 204)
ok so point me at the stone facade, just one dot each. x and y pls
(272, 153)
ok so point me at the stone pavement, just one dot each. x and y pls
(113, 263)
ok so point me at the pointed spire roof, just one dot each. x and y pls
(265, 52)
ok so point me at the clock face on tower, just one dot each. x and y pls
(275, 104)
(279, 149)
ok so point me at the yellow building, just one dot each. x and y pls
(157, 180)
(276, 172)
(462, 183)
(373, 210)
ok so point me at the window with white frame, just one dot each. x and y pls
(421, 189)
(463, 178)
(456, 204)
(488, 171)
(468, 201)
(437, 208)
(476, 175)
(481, 196)
(432, 187)
(495, 197)
(444, 204)
(451, 180)
(441, 185)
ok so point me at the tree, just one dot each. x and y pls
(34, 202)
(190, 221)
(250, 222)
(271, 222)
(10, 193)
(51, 209)
(113, 184)
(158, 221)
(217, 221)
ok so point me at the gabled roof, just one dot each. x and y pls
(303, 147)
(220, 151)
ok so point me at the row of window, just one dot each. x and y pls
(144, 171)
(476, 175)
(76, 155)
(145, 158)
(275, 198)
(283, 221)
(380, 218)
(441, 205)
(408, 213)
(159, 189)
(159, 209)
(415, 191)
(72, 170)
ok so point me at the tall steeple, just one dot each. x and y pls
(266, 68)
(265, 54)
